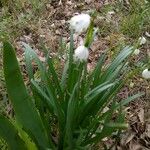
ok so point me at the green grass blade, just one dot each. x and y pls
(9, 133)
(24, 108)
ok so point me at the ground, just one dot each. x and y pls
(119, 23)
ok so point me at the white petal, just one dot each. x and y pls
(145, 1)
(136, 52)
(146, 74)
(80, 23)
(111, 12)
(142, 40)
(81, 54)
(147, 34)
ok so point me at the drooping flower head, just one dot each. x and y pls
(80, 23)
(136, 52)
(81, 54)
(146, 74)
(147, 34)
(142, 40)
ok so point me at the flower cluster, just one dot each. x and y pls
(80, 23)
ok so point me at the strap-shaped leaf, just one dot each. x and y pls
(91, 100)
(128, 100)
(25, 111)
(64, 76)
(9, 133)
(108, 126)
(125, 53)
(31, 55)
(43, 94)
(70, 120)
(97, 71)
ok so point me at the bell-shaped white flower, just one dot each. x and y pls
(147, 34)
(142, 40)
(136, 52)
(81, 54)
(146, 74)
(80, 23)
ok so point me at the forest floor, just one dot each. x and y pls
(118, 23)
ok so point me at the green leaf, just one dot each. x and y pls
(96, 91)
(64, 76)
(106, 97)
(97, 71)
(24, 136)
(90, 35)
(25, 111)
(54, 76)
(128, 100)
(71, 64)
(29, 65)
(31, 55)
(91, 100)
(107, 75)
(71, 115)
(116, 125)
(108, 127)
(71, 50)
(43, 95)
(9, 133)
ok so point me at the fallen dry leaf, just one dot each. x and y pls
(141, 115)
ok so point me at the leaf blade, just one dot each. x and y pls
(9, 133)
(24, 108)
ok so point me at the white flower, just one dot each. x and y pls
(145, 1)
(80, 23)
(136, 52)
(81, 54)
(147, 34)
(142, 40)
(146, 74)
